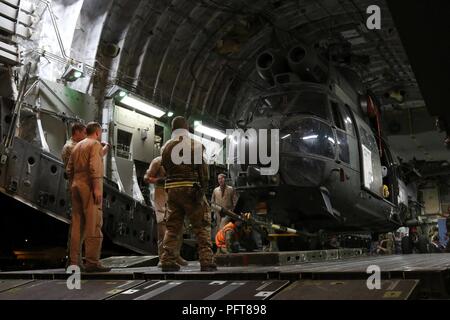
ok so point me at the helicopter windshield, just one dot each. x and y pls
(311, 102)
(311, 136)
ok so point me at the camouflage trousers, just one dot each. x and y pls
(181, 202)
(161, 233)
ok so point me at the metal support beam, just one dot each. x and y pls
(9, 26)
(8, 58)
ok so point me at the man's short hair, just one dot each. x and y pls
(222, 175)
(77, 127)
(92, 127)
(179, 123)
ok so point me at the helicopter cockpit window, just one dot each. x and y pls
(348, 120)
(338, 119)
(344, 126)
(310, 136)
(344, 150)
(295, 102)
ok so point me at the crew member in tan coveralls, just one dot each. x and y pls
(157, 175)
(185, 184)
(78, 134)
(85, 170)
(226, 197)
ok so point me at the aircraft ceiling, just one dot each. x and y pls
(198, 56)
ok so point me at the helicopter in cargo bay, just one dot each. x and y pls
(336, 172)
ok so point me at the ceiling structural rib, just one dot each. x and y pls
(193, 54)
(194, 84)
(247, 55)
(157, 50)
(173, 55)
(218, 78)
(205, 45)
(138, 37)
(113, 34)
(160, 69)
(173, 41)
(203, 89)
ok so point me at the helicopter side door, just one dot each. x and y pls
(371, 172)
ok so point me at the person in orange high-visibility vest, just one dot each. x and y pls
(227, 238)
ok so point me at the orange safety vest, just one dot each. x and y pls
(220, 236)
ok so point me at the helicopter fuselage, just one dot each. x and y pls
(330, 174)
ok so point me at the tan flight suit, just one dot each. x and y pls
(185, 185)
(65, 156)
(67, 151)
(85, 169)
(226, 199)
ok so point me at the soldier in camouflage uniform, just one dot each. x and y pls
(157, 175)
(185, 184)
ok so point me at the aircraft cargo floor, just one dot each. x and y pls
(416, 276)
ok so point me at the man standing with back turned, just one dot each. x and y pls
(85, 170)
(157, 175)
(185, 184)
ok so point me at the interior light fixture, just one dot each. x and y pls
(141, 105)
(314, 136)
(73, 72)
(121, 93)
(211, 132)
(170, 114)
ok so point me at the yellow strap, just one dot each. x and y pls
(277, 235)
(179, 184)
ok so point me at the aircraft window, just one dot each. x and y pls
(310, 136)
(338, 120)
(371, 161)
(123, 144)
(368, 140)
(348, 122)
(296, 102)
(159, 135)
(344, 151)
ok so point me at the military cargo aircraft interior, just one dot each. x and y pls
(224, 150)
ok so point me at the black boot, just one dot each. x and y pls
(96, 268)
(208, 268)
(170, 267)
